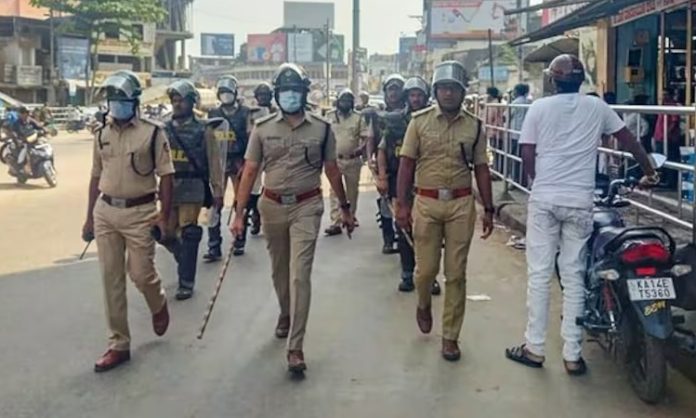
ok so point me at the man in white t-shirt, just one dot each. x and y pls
(559, 145)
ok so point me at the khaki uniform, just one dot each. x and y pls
(292, 160)
(348, 132)
(118, 153)
(439, 148)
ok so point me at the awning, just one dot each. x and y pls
(551, 50)
(584, 16)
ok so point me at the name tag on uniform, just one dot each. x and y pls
(225, 136)
(179, 156)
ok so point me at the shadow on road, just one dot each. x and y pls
(17, 186)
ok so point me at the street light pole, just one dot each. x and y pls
(328, 61)
(356, 45)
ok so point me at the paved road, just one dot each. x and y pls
(366, 357)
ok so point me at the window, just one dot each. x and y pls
(138, 32)
(112, 32)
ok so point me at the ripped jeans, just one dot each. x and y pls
(551, 228)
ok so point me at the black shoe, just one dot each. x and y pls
(183, 293)
(406, 285)
(333, 230)
(213, 254)
(435, 289)
(238, 251)
(255, 228)
(389, 249)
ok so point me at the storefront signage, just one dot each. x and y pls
(643, 9)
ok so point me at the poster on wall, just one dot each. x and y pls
(267, 48)
(471, 19)
(73, 57)
(588, 55)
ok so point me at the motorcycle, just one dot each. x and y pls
(76, 125)
(30, 158)
(630, 285)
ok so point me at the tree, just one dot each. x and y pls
(94, 18)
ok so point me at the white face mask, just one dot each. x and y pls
(290, 101)
(227, 98)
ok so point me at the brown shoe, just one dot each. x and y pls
(160, 321)
(296, 363)
(111, 359)
(424, 317)
(450, 350)
(283, 327)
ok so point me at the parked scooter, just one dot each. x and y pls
(30, 157)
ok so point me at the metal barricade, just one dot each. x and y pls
(507, 162)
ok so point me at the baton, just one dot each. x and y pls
(85, 250)
(390, 206)
(218, 286)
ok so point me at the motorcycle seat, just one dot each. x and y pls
(606, 236)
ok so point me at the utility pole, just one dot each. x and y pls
(356, 45)
(521, 29)
(490, 56)
(52, 58)
(328, 62)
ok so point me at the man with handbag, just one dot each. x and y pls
(198, 179)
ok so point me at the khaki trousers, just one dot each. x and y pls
(121, 232)
(291, 233)
(183, 215)
(350, 171)
(453, 221)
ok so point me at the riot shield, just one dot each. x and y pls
(221, 132)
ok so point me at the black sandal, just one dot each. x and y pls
(581, 370)
(519, 354)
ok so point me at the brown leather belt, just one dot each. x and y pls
(351, 156)
(444, 194)
(291, 199)
(129, 203)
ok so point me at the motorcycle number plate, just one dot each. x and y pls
(651, 289)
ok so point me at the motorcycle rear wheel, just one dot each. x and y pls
(644, 359)
(50, 174)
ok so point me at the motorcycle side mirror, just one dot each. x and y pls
(658, 160)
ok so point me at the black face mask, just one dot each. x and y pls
(344, 107)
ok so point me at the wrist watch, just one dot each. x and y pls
(345, 206)
(490, 210)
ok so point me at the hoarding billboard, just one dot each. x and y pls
(300, 47)
(500, 73)
(217, 44)
(306, 15)
(267, 48)
(336, 48)
(73, 57)
(471, 19)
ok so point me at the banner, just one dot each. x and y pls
(336, 48)
(73, 57)
(217, 44)
(639, 10)
(300, 47)
(471, 19)
(267, 48)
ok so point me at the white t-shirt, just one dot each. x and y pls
(566, 129)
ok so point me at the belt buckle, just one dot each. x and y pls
(288, 199)
(119, 203)
(445, 194)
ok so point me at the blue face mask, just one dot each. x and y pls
(290, 101)
(121, 110)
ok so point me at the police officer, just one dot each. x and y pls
(364, 101)
(240, 124)
(417, 93)
(393, 89)
(444, 147)
(129, 154)
(346, 125)
(198, 180)
(292, 146)
(263, 93)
